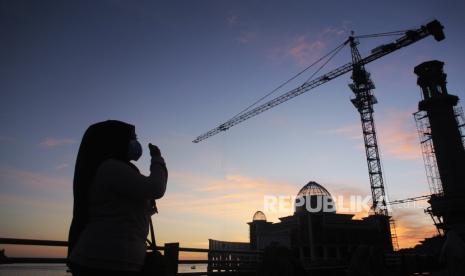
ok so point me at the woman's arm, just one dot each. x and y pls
(120, 177)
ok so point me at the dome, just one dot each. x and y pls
(314, 198)
(313, 189)
(259, 215)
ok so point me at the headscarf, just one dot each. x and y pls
(101, 141)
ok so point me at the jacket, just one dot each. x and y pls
(119, 213)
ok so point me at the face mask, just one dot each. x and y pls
(134, 150)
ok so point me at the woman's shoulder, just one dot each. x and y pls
(110, 163)
(113, 167)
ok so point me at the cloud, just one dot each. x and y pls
(238, 196)
(246, 37)
(232, 20)
(412, 226)
(398, 136)
(306, 48)
(234, 196)
(353, 198)
(337, 31)
(32, 181)
(304, 51)
(396, 132)
(352, 131)
(228, 200)
(62, 166)
(243, 35)
(34, 205)
(56, 142)
(334, 31)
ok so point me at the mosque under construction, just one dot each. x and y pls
(327, 239)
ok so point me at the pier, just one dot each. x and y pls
(221, 262)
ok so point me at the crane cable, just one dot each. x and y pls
(326, 62)
(332, 53)
(393, 33)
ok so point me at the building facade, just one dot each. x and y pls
(320, 237)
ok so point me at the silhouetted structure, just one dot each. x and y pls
(324, 237)
(230, 256)
(442, 119)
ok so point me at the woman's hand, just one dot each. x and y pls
(158, 166)
(154, 151)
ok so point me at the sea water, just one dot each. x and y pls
(61, 270)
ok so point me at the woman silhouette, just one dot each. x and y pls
(113, 202)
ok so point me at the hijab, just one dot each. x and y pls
(101, 141)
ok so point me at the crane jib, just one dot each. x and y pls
(433, 28)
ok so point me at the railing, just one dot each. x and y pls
(171, 253)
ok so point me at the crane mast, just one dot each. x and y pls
(364, 100)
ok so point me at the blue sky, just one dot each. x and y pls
(176, 69)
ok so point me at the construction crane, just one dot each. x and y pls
(410, 199)
(433, 28)
(438, 222)
(363, 100)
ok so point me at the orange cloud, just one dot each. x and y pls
(29, 218)
(348, 193)
(232, 200)
(305, 51)
(308, 47)
(305, 48)
(412, 226)
(34, 205)
(220, 207)
(235, 196)
(226, 203)
(33, 180)
(55, 142)
(397, 135)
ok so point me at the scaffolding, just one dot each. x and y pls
(431, 165)
(458, 111)
(427, 148)
(394, 239)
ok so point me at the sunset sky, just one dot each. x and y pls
(176, 69)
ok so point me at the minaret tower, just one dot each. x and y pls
(448, 147)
